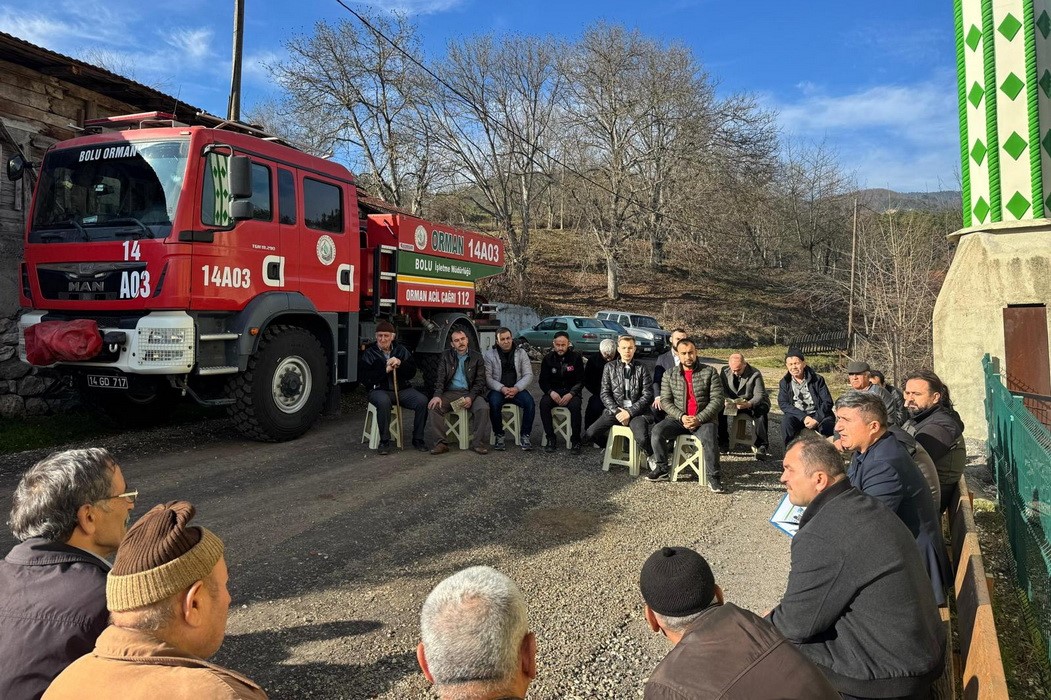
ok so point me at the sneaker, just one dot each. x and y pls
(383, 448)
(761, 453)
(499, 444)
(481, 449)
(574, 448)
(550, 445)
(420, 446)
(715, 486)
(652, 462)
(526, 445)
(439, 449)
(657, 475)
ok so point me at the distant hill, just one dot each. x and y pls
(889, 200)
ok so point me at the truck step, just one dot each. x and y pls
(205, 337)
(208, 371)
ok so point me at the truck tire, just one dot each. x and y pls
(282, 392)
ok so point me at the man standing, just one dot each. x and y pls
(460, 381)
(168, 596)
(627, 393)
(692, 396)
(860, 379)
(561, 384)
(69, 511)
(938, 427)
(508, 372)
(744, 384)
(804, 399)
(720, 651)
(858, 603)
(596, 363)
(667, 360)
(882, 468)
(476, 643)
(897, 405)
(381, 363)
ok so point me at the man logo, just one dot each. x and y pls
(87, 286)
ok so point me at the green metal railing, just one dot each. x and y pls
(1020, 457)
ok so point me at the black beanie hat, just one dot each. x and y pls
(677, 582)
(795, 352)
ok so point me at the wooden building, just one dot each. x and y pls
(45, 98)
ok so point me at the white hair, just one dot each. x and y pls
(472, 625)
(607, 347)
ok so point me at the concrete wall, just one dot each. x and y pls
(993, 268)
(517, 318)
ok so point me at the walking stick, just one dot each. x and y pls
(397, 407)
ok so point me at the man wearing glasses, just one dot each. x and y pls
(70, 511)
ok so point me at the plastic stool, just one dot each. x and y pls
(458, 424)
(371, 433)
(511, 419)
(562, 422)
(688, 455)
(742, 431)
(621, 453)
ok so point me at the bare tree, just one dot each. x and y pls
(361, 97)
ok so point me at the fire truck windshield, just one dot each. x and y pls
(110, 191)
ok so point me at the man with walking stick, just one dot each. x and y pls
(386, 370)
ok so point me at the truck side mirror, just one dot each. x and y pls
(240, 177)
(16, 167)
(241, 209)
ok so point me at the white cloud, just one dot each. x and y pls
(255, 66)
(412, 7)
(194, 44)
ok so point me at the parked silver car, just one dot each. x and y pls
(650, 338)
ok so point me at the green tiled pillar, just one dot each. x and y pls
(1003, 52)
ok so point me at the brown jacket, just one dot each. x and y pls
(131, 664)
(731, 654)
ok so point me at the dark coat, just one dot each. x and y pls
(374, 373)
(731, 654)
(818, 391)
(593, 372)
(940, 431)
(886, 472)
(473, 369)
(753, 389)
(858, 602)
(52, 608)
(665, 361)
(563, 374)
(634, 387)
(707, 389)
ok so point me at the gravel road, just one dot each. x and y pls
(332, 549)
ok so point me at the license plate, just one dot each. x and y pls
(107, 381)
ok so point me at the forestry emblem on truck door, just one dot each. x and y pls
(326, 250)
(421, 237)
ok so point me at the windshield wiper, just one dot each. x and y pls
(130, 220)
(68, 222)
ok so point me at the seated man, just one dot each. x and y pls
(720, 651)
(561, 384)
(938, 427)
(804, 399)
(460, 380)
(667, 360)
(858, 602)
(627, 392)
(897, 404)
(882, 468)
(744, 384)
(508, 372)
(382, 363)
(476, 643)
(69, 511)
(169, 602)
(692, 396)
(596, 362)
(859, 377)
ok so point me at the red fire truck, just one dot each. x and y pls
(214, 262)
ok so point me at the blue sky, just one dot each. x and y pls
(873, 81)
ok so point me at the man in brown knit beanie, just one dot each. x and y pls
(168, 598)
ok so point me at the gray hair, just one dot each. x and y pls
(47, 499)
(870, 405)
(818, 455)
(677, 624)
(607, 347)
(149, 618)
(472, 625)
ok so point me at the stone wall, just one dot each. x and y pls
(26, 390)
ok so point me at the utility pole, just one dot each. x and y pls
(233, 110)
(853, 256)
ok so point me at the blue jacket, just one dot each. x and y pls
(887, 473)
(818, 391)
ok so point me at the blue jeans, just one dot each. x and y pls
(522, 399)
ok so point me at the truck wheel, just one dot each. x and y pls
(283, 390)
